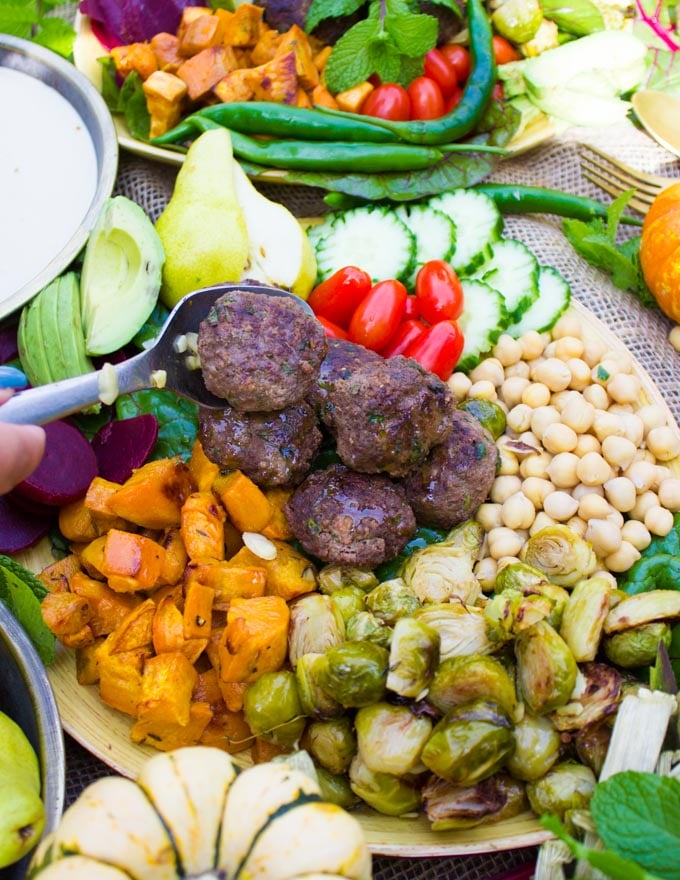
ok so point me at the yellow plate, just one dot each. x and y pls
(88, 49)
(106, 733)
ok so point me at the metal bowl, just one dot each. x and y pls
(26, 696)
(48, 67)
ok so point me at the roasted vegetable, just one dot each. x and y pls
(414, 656)
(391, 738)
(354, 673)
(584, 617)
(273, 710)
(637, 646)
(567, 786)
(659, 248)
(332, 744)
(315, 625)
(442, 571)
(561, 554)
(366, 627)
(546, 668)
(451, 807)
(462, 629)
(384, 792)
(461, 679)
(537, 748)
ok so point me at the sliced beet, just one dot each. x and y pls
(66, 470)
(124, 445)
(19, 529)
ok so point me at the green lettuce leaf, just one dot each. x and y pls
(22, 593)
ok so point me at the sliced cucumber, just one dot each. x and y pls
(435, 234)
(554, 297)
(513, 271)
(482, 322)
(478, 225)
(370, 237)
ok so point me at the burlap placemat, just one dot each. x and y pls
(644, 331)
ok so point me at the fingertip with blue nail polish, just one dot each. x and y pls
(11, 377)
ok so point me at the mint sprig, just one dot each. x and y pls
(33, 20)
(22, 593)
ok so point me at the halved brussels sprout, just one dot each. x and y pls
(584, 617)
(461, 679)
(495, 799)
(532, 581)
(643, 608)
(567, 786)
(564, 556)
(488, 413)
(391, 738)
(414, 655)
(462, 628)
(444, 571)
(510, 612)
(272, 708)
(391, 600)
(366, 627)
(387, 794)
(335, 789)
(596, 694)
(332, 744)
(472, 742)
(354, 673)
(336, 577)
(315, 625)
(315, 702)
(546, 669)
(349, 601)
(537, 748)
(637, 646)
(592, 744)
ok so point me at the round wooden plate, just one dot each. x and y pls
(106, 733)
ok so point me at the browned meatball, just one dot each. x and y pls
(273, 449)
(341, 359)
(260, 352)
(388, 414)
(456, 477)
(343, 517)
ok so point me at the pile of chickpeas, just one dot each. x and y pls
(579, 448)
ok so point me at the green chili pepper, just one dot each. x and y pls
(422, 537)
(511, 198)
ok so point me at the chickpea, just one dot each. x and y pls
(604, 575)
(488, 370)
(459, 384)
(560, 505)
(503, 487)
(542, 417)
(489, 515)
(624, 388)
(517, 511)
(636, 533)
(642, 475)
(531, 440)
(562, 470)
(652, 417)
(483, 389)
(567, 347)
(507, 350)
(537, 489)
(536, 465)
(644, 502)
(633, 429)
(593, 469)
(578, 414)
(597, 395)
(616, 517)
(593, 351)
(508, 463)
(512, 389)
(658, 520)
(586, 443)
(580, 374)
(577, 525)
(554, 373)
(581, 491)
(519, 418)
(623, 558)
(604, 372)
(664, 443)
(542, 521)
(594, 506)
(559, 399)
(559, 438)
(567, 325)
(504, 561)
(486, 571)
(536, 394)
(549, 350)
(618, 451)
(669, 493)
(606, 424)
(533, 345)
(621, 358)
(521, 368)
(503, 541)
(661, 473)
(604, 536)
(674, 337)
(621, 409)
(621, 494)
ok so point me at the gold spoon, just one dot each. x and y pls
(659, 113)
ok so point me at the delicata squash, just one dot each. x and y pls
(192, 814)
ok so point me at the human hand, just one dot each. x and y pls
(21, 446)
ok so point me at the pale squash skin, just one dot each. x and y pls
(660, 251)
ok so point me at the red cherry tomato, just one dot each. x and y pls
(377, 317)
(411, 308)
(459, 58)
(439, 293)
(388, 101)
(408, 331)
(438, 68)
(332, 330)
(453, 99)
(427, 101)
(438, 348)
(336, 298)
(503, 50)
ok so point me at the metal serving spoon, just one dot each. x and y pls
(46, 403)
(659, 113)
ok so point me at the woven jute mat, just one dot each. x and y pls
(554, 164)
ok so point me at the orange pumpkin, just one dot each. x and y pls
(660, 250)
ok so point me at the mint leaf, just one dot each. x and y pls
(353, 59)
(57, 35)
(22, 593)
(412, 35)
(17, 18)
(134, 105)
(638, 816)
(320, 10)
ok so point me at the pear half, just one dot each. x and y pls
(279, 251)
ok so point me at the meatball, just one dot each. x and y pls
(348, 518)
(273, 449)
(456, 477)
(260, 352)
(388, 414)
(341, 359)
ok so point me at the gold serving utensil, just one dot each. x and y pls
(659, 114)
(615, 177)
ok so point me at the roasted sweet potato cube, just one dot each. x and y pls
(109, 608)
(92, 557)
(202, 526)
(321, 57)
(131, 562)
(207, 688)
(174, 559)
(135, 56)
(189, 14)
(135, 631)
(289, 574)
(203, 71)
(87, 665)
(255, 638)
(351, 100)
(243, 27)
(235, 86)
(278, 526)
(296, 39)
(321, 97)
(201, 33)
(165, 48)
(99, 494)
(198, 608)
(228, 580)
(57, 576)
(76, 522)
(65, 613)
(168, 680)
(202, 469)
(246, 504)
(120, 676)
(165, 94)
(167, 735)
(267, 44)
(168, 626)
(153, 496)
(81, 639)
(276, 80)
(228, 731)
(233, 693)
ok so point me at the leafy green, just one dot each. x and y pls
(128, 99)
(658, 566)
(32, 20)
(177, 419)
(152, 326)
(22, 593)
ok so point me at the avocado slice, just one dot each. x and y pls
(71, 333)
(121, 276)
(31, 345)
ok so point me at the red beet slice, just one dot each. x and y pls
(19, 529)
(67, 469)
(122, 446)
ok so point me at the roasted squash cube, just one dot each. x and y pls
(131, 562)
(168, 680)
(110, 609)
(120, 677)
(235, 86)
(198, 608)
(189, 14)
(276, 80)
(266, 47)
(278, 526)
(76, 522)
(228, 580)
(87, 665)
(166, 49)
(297, 41)
(175, 558)
(138, 57)
(243, 27)
(135, 631)
(204, 471)
(168, 632)
(153, 496)
(165, 94)
(228, 731)
(65, 613)
(201, 33)
(168, 735)
(57, 576)
(255, 638)
(202, 526)
(203, 71)
(246, 504)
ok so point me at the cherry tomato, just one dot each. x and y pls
(459, 58)
(411, 308)
(503, 50)
(388, 101)
(438, 348)
(378, 315)
(453, 99)
(427, 101)
(332, 330)
(409, 330)
(440, 69)
(336, 298)
(439, 292)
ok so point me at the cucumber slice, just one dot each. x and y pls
(513, 271)
(370, 237)
(482, 322)
(435, 234)
(554, 297)
(478, 225)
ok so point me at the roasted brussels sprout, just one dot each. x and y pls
(584, 617)
(637, 646)
(643, 608)
(488, 413)
(564, 556)
(510, 612)
(537, 748)
(272, 708)
(315, 625)
(567, 786)
(592, 743)
(332, 744)
(391, 738)
(449, 806)
(354, 673)
(444, 571)
(391, 600)
(462, 628)
(315, 702)
(475, 677)
(336, 789)
(414, 655)
(596, 695)
(546, 669)
(532, 581)
(472, 742)
(366, 627)
(335, 577)
(349, 601)
(387, 794)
